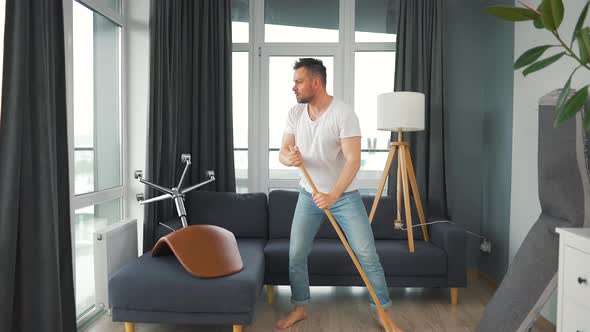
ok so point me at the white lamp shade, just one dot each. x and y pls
(400, 111)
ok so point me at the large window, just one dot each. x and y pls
(95, 99)
(97, 125)
(356, 42)
(240, 89)
(375, 21)
(240, 17)
(240, 116)
(373, 75)
(301, 21)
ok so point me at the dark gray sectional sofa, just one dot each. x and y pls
(159, 290)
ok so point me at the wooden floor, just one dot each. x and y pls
(346, 309)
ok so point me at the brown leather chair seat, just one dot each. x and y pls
(205, 251)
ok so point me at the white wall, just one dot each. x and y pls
(525, 206)
(137, 87)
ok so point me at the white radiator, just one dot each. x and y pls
(114, 246)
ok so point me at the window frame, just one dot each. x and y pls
(259, 51)
(106, 195)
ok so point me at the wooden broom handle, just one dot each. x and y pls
(355, 260)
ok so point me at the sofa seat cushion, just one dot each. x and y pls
(161, 284)
(329, 257)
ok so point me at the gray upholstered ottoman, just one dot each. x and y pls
(160, 290)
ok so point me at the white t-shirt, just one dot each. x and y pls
(319, 142)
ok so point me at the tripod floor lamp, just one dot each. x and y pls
(399, 112)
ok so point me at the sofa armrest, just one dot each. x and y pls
(452, 239)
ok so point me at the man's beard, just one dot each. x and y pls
(304, 100)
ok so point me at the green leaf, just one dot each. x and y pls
(538, 22)
(584, 45)
(586, 121)
(552, 13)
(542, 64)
(530, 56)
(580, 21)
(562, 98)
(573, 105)
(514, 14)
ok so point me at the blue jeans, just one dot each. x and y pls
(351, 215)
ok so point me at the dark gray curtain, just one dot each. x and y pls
(36, 278)
(190, 107)
(419, 66)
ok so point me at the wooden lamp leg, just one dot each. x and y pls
(238, 328)
(416, 193)
(408, 210)
(398, 220)
(270, 293)
(129, 327)
(454, 295)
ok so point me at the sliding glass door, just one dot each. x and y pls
(96, 125)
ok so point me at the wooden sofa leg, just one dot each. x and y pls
(270, 293)
(454, 295)
(129, 327)
(237, 328)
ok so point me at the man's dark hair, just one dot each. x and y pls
(313, 66)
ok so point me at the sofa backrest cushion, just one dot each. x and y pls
(281, 206)
(245, 215)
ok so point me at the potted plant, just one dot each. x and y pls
(549, 16)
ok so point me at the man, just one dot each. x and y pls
(326, 134)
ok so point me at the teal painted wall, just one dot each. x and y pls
(498, 45)
(478, 133)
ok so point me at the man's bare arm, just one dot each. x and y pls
(351, 148)
(286, 157)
